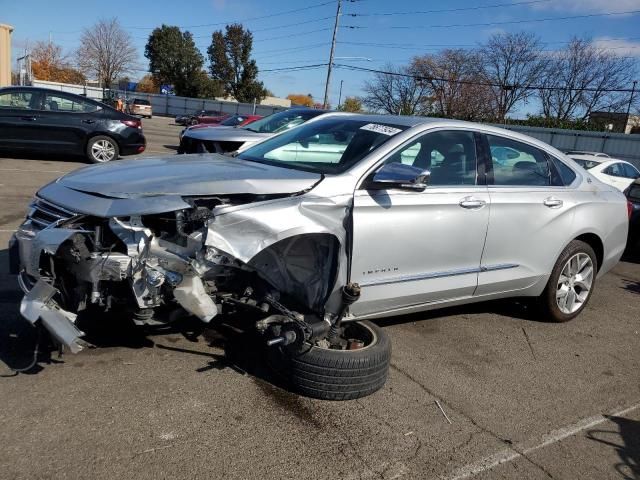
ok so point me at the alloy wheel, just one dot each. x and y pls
(574, 283)
(103, 151)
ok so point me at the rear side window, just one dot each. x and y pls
(518, 164)
(562, 174)
(615, 170)
(63, 103)
(630, 171)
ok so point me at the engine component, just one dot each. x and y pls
(191, 296)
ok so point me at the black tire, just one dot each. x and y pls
(549, 309)
(336, 374)
(193, 122)
(94, 156)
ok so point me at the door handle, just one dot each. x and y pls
(553, 202)
(89, 121)
(472, 203)
(29, 119)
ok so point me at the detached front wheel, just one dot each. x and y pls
(331, 374)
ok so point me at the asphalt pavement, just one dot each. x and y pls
(523, 399)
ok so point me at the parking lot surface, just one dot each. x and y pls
(482, 391)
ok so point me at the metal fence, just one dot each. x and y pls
(168, 105)
(616, 145)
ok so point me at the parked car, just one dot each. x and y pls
(140, 106)
(44, 120)
(232, 121)
(315, 231)
(201, 116)
(572, 153)
(611, 171)
(633, 196)
(230, 139)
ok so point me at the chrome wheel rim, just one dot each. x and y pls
(103, 150)
(574, 283)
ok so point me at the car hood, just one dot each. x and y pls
(186, 175)
(232, 134)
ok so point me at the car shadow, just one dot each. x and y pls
(626, 443)
(45, 156)
(171, 147)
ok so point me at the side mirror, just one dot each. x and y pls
(399, 175)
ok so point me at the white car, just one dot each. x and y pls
(614, 172)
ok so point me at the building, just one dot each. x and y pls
(5, 54)
(616, 122)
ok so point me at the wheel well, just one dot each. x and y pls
(594, 242)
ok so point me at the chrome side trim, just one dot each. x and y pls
(502, 266)
(432, 275)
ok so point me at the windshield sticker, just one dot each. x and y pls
(383, 129)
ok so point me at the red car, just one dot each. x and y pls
(209, 117)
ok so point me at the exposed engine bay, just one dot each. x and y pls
(205, 260)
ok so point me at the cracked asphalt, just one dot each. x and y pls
(526, 399)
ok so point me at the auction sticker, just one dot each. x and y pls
(383, 129)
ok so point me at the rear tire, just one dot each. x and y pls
(337, 374)
(102, 149)
(571, 283)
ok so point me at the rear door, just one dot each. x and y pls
(19, 112)
(66, 120)
(530, 216)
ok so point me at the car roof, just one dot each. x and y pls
(586, 153)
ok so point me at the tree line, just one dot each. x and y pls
(107, 53)
(487, 83)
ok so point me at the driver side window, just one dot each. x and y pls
(449, 155)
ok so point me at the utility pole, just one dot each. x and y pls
(333, 47)
(633, 90)
(340, 95)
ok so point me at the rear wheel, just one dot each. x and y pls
(102, 149)
(571, 283)
(331, 374)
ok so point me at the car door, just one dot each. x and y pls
(415, 247)
(66, 120)
(530, 217)
(19, 118)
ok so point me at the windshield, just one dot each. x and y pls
(141, 102)
(233, 121)
(586, 164)
(279, 122)
(331, 145)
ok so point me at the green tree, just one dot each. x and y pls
(174, 59)
(351, 104)
(231, 63)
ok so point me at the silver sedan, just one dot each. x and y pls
(314, 231)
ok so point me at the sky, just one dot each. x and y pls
(372, 33)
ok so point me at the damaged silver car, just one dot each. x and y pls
(340, 220)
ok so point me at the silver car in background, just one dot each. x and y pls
(222, 140)
(314, 231)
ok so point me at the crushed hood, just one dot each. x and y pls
(198, 174)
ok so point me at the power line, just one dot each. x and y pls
(483, 84)
(448, 10)
(250, 19)
(292, 69)
(490, 24)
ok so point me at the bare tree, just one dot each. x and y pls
(512, 63)
(454, 84)
(107, 51)
(579, 80)
(396, 91)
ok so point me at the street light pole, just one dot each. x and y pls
(333, 47)
(340, 95)
(633, 90)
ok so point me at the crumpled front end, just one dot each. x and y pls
(282, 256)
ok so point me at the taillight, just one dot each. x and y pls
(629, 208)
(132, 123)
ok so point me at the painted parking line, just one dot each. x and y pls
(523, 449)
